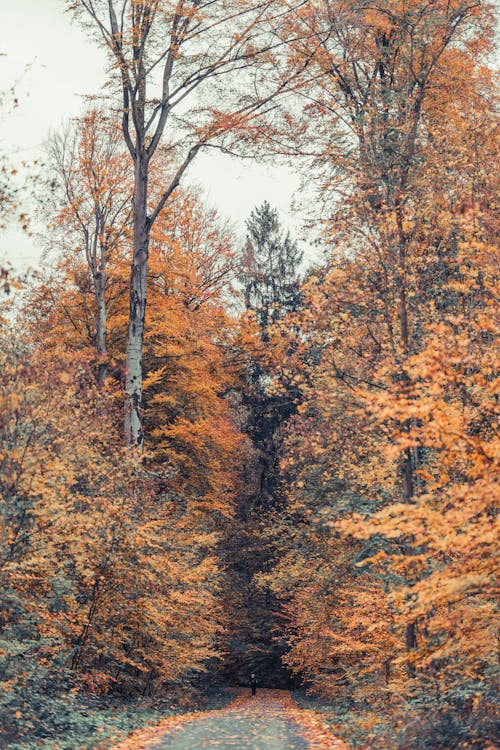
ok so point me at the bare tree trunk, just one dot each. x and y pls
(407, 466)
(411, 644)
(101, 320)
(133, 363)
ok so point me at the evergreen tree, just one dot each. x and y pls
(271, 287)
(269, 268)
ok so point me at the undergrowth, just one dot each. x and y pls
(413, 724)
(44, 721)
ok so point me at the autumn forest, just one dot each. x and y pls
(220, 455)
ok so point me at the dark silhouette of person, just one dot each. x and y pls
(253, 684)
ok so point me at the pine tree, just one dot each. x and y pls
(271, 288)
(269, 272)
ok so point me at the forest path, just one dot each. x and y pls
(270, 721)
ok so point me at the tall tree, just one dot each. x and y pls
(269, 274)
(91, 186)
(380, 77)
(168, 55)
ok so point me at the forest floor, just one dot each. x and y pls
(270, 721)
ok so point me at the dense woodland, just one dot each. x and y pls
(217, 457)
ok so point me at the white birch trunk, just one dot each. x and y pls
(134, 435)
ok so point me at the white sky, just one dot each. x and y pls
(53, 65)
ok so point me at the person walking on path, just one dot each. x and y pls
(253, 684)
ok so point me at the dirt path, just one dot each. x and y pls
(257, 724)
(270, 721)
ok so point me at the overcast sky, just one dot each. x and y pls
(53, 65)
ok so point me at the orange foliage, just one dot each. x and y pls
(389, 537)
(136, 543)
(99, 573)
